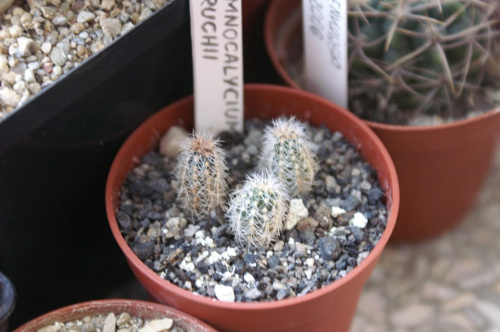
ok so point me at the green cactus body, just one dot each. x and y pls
(419, 56)
(285, 153)
(201, 174)
(257, 211)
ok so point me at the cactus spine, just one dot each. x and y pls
(413, 56)
(201, 173)
(286, 154)
(257, 211)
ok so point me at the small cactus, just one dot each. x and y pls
(257, 211)
(285, 153)
(202, 175)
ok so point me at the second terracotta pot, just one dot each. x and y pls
(138, 309)
(441, 168)
(330, 308)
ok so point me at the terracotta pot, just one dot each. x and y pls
(7, 301)
(331, 307)
(441, 168)
(141, 309)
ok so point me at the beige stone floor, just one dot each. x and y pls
(451, 283)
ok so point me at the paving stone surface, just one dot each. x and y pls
(451, 283)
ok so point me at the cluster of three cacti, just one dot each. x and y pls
(257, 211)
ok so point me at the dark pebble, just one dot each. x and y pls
(161, 185)
(341, 263)
(262, 286)
(144, 250)
(375, 195)
(202, 267)
(352, 251)
(283, 293)
(350, 204)
(219, 267)
(249, 258)
(154, 215)
(329, 248)
(141, 188)
(239, 266)
(273, 261)
(307, 236)
(151, 158)
(124, 220)
(352, 262)
(323, 216)
(358, 233)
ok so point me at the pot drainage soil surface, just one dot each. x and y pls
(341, 221)
(41, 40)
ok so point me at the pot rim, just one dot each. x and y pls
(113, 304)
(392, 203)
(274, 11)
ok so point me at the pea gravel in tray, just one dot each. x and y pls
(339, 223)
(41, 40)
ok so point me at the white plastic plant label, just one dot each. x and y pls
(325, 48)
(216, 35)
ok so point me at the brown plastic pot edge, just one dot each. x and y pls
(145, 138)
(141, 309)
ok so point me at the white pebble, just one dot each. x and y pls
(186, 265)
(230, 252)
(296, 213)
(85, 16)
(249, 278)
(224, 293)
(308, 274)
(170, 143)
(214, 257)
(358, 220)
(111, 26)
(8, 97)
(29, 76)
(26, 46)
(158, 325)
(110, 323)
(310, 262)
(337, 211)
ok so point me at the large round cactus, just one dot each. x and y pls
(415, 56)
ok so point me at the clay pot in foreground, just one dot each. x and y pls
(327, 309)
(141, 309)
(441, 168)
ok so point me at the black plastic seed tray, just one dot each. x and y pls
(55, 152)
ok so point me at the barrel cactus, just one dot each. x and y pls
(201, 174)
(411, 57)
(286, 154)
(257, 210)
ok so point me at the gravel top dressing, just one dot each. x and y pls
(327, 233)
(41, 40)
(122, 322)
